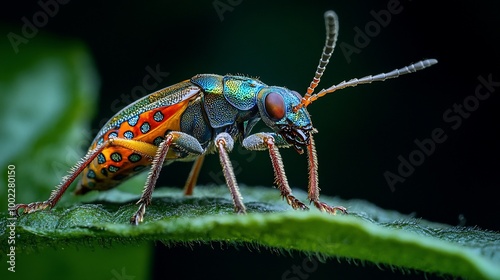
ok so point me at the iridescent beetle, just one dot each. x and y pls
(203, 115)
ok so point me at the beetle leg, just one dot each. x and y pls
(57, 193)
(313, 189)
(224, 144)
(182, 141)
(158, 160)
(261, 141)
(193, 175)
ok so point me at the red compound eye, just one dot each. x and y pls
(275, 106)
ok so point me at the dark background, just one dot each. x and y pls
(362, 131)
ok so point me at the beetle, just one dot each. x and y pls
(208, 114)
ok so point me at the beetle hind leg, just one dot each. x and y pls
(57, 193)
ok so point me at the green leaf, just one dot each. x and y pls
(368, 233)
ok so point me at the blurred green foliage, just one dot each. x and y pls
(48, 93)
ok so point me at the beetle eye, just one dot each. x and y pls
(275, 106)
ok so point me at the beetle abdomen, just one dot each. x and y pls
(116, 164)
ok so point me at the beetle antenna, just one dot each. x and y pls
(412, 68)
(332, 30)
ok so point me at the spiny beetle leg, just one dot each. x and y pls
(224, 144)
(65, 183)
(158, 160)
(180, 139)
(57, 193)
(313, 190)
(262, 141)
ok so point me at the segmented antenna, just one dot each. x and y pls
(332, 30)
(376, 78)
(332, 26)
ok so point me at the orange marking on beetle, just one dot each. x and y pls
(107, 171)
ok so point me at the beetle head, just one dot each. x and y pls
(285, 111)
(276, 107)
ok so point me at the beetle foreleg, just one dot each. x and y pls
(224, 144)
(262, 141)
(182, 141)
(313, 189)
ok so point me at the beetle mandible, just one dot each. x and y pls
(184, 122)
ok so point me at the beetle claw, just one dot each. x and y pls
(295, 203)
(15, 211)
(135, 220)
(138, 217)
(30, 208)
(240, 211)
(323, 207)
